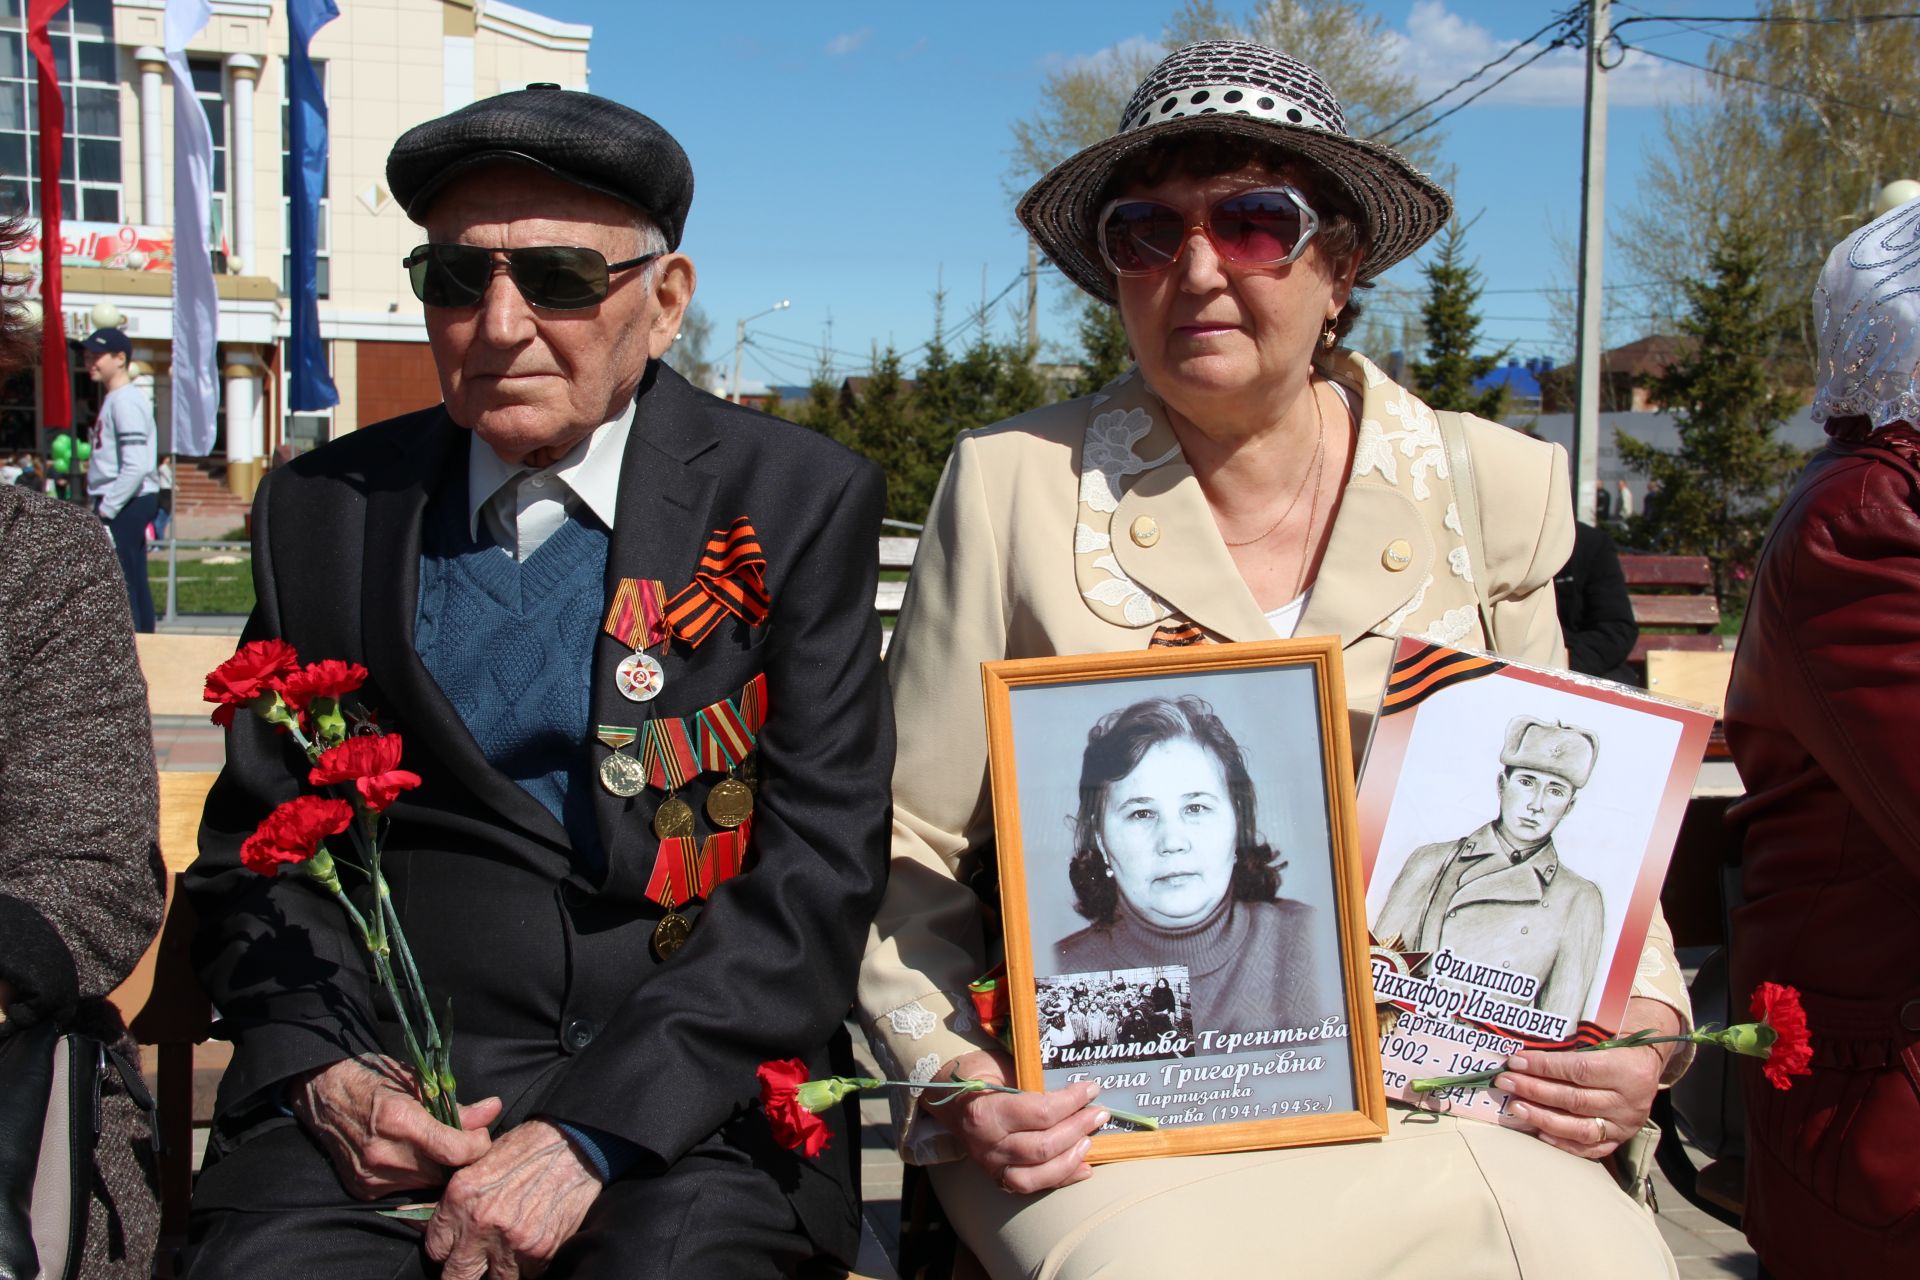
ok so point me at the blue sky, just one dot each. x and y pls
(852, 156)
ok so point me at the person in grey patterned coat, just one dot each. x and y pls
(81, 882)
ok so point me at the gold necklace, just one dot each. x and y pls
(1315, 470)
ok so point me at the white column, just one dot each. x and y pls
(153, 70)
(242, 373)
(246, 70)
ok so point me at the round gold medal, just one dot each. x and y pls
(622, 775)
(671, 934)
(673, 818)
(730, 803)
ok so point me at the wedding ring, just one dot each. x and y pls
(1599, 1131)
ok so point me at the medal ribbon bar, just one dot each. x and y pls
(637, 615)
(676, 872)
(725, 739)
(666, 752)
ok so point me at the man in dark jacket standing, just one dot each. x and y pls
(1596, 613)
(487, 560)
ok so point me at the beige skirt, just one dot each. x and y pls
(1437, 1199)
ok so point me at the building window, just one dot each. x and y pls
(323, 228)
(210, 86)
(87, 65)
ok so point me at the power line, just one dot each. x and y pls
(1861, 19)
(1403, 139)
(1770, 85)
(1469, 78)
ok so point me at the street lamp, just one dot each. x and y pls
(740, 340)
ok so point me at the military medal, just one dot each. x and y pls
(673, 819)
(639, 677)
(620, 773)
(730, 803)
(671, 934)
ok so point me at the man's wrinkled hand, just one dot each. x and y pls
(508, 1213)
(379, 1137)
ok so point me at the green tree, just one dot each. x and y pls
(1104, 353)
(885, 425)
(1451, 317)
(690, 355)
(1801, 126)
(1719, 488)
(821, 410)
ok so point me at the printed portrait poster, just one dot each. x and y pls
(1182, 894)
(1515, 827)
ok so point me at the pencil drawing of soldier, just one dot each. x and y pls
(1501, 896)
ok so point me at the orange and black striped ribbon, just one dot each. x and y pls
(1427, 671)
(731, 580)
(666, 753)
(1178, 633)
(676, 872)
(637, 614)
(1585, 1034)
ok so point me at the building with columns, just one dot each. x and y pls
(386, 65)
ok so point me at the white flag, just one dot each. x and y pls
(196, 307)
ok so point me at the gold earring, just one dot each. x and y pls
(1328, 338)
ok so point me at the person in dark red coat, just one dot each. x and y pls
(1821, 717)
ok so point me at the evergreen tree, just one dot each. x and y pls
(1104, 353)
(1451, 315)
(821, 410)
(1719, 489)
(886, 426)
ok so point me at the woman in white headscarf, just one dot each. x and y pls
(1820, 717)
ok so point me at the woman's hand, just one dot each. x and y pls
(1590, 1103)
(1027, 1142)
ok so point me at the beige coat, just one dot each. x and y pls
(1031, 549)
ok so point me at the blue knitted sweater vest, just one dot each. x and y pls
(511, 645)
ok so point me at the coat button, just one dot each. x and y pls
(1398, 555)
(578, 1034)
(1145, 531)
(1910, 1015)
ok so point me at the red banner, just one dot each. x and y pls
(56, 389)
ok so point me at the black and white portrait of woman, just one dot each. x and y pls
(1168, 867)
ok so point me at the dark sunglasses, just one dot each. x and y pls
(1264, 227)
(550, 276)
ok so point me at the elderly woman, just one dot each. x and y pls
(1169, 867)
(1248, 479)
(1820, 718)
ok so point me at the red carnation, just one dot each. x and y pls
(328, 678)
(292, 832)
(371, 762)
(1792, 1052)
(254, 671)
(796, 1127)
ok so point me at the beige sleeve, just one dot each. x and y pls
(928, 941)
(1526, 507)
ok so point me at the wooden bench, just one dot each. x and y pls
(1674, 603)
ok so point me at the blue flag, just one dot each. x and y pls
(310, 385)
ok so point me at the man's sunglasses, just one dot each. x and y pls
(550, 276)
(1265, 227)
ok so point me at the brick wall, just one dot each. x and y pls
(393, 378)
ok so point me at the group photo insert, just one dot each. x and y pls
(1181, 881)
(1516, 825)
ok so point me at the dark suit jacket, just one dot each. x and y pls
(559, 1005)
(1596, 613)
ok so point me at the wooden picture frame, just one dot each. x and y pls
(1099, 880)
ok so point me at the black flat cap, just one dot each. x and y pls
(593, 142)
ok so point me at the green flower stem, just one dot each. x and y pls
(1735, 1038)
(817, 1095)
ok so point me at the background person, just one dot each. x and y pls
(1169, 867)
(1596, 611)
(80, 873)
(1248, 479)
(123, 472)
(1820, 717)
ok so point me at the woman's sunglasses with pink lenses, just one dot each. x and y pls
(1263, 227)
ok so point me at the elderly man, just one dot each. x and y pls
(1501, 895)
(499, 563)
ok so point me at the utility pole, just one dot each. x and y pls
(1033, 301)
(1593, 237)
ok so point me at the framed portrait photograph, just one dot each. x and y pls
(1515, 825)
(1182, 891)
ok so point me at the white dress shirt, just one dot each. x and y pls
(524, 506)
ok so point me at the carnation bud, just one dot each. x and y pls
(1754, 1039)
